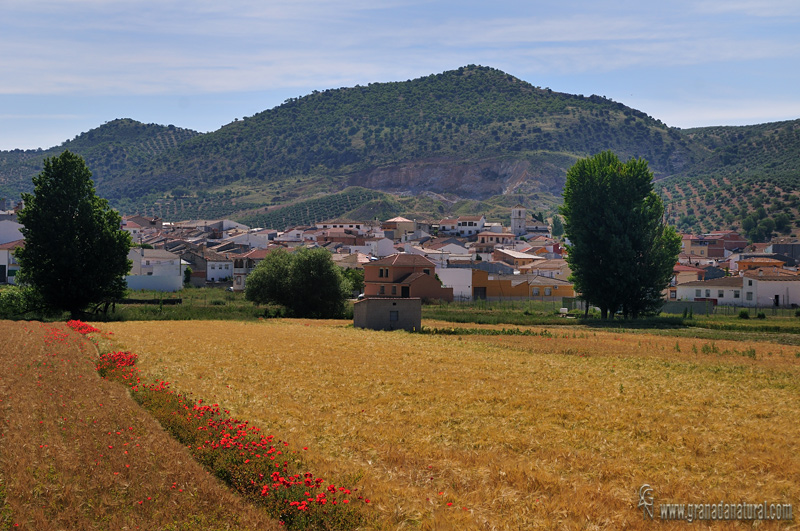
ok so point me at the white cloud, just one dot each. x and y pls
(754, 8)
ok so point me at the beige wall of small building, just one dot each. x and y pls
(388, 314)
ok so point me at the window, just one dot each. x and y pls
(380, 272)
(749, 282)
(708, 293)
(720, 294)
(394, 315)
(673, 294)
(736, 294)
(426, 271)
(394, 290)
(535, 291)
(548, 292)
(697, 293)
(382, 290)
(213, 266)
(749, 295)
(226, 266)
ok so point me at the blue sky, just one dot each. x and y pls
(68, 66)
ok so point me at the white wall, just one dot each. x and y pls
(460, 279)
(787, 291)
(155, 283)
(689, 293)
(9, 231)
(378, 248)
(218, 272)
(253, 240)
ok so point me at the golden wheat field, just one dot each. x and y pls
(76, 453)
(554, 431)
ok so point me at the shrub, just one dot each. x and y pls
(744, 314)
(761, 315)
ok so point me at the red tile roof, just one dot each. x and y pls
(681, 267)
(772, 273)
(12, 245)
(403, 260)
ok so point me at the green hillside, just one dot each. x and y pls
(746, 175)
(116, 148)
(470, 114)
(472, 140)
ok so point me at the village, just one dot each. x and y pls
(461, 259)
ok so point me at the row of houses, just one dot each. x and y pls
(222, 252)
(465, 258)
(773, 285)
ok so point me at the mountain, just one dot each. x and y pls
(473, 139)
(116, 148)
(742, 172)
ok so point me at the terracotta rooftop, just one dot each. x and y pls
(403, 260)
(772, 273)
(730, 282)
(681, 267)
(12, 245)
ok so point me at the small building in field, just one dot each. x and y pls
(388, 314)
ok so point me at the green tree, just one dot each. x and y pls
(307, 283)
(269, 281)
(558, 227)
(356, 279)
(75, 253)
(621, 252)
(783, 223)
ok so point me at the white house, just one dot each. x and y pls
(771, 286)
(464, 226)
(452, 248)
(154, 269)
(292, 235)
(359, 227)
(470, 225)
(254, 240)
(377, 247)
(8, 264)
(213, 266)
(725, 290)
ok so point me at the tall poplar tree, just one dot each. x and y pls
(75, 252)
(621, 252)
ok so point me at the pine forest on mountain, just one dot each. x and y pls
(471, 140)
